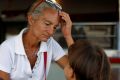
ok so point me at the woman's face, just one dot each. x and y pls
(44, 27)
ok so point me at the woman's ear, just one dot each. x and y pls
(69, 73)
(30, 20)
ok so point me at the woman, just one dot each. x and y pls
(87, 62)
(28, 55)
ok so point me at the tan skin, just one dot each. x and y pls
(69, 73)
(42, 29)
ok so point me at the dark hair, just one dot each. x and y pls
(89, 62)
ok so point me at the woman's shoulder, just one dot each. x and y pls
(8, 42)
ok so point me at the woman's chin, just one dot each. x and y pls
(45, 39)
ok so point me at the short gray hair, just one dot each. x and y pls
(37, 8)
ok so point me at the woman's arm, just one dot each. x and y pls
(66, 26)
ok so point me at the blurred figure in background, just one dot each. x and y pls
(2, 31)
(28, 56)
(87, 62)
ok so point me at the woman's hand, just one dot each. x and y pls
(66, 26)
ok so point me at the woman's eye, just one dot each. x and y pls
(47, 24)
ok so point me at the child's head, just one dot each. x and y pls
(88, 62)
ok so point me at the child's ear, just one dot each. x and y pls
(69, 74)
(74, 76)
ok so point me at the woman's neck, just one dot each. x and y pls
(30, 41)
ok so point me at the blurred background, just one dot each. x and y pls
(96, 20)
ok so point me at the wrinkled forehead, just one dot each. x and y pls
(50, 11)
(51, 14)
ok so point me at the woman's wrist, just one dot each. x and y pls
(69, 40)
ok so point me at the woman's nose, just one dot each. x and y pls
(51, 31)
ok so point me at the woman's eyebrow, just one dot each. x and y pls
(50, 22)
(47, 21)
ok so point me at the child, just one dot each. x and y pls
(87, 62)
